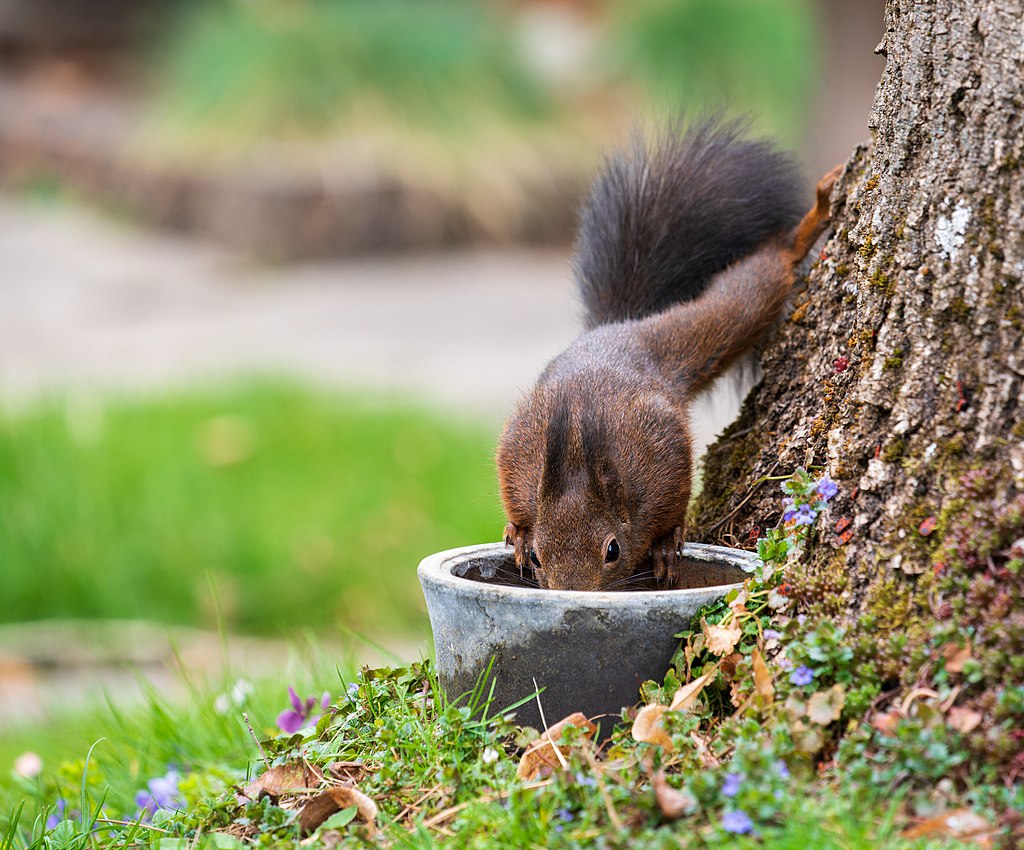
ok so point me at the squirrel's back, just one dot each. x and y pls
(664, 218)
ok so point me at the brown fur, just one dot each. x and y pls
(600, 449)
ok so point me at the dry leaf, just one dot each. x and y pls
(959, 823)
(763, 685)
(721, 640)
(296, 775)
(672, 803)
(543, 756)
(687, 695)
(825, 706)
(647, 727)
(956, 656)
(739, 604)
(886, 723)
(808, 739)
(325, 804)
(964, 719)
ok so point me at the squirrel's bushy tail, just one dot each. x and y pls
(664, 217)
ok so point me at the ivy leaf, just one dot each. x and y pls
(825, 706)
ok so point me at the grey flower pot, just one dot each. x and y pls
(588, 651)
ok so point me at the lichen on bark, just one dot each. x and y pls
(902, 366)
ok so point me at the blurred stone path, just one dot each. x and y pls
(87, 303)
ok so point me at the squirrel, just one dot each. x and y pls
(684, 260)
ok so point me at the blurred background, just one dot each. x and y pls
(273, 271)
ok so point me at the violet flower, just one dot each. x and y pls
(58, 813)
(732, 784)
(772, 634)
(301, 712)
(162, 793)
(826, 488)
(803, 675)
(737, 822)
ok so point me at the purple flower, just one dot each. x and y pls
(803, 675)
(586, 781)
(731, 786)
(800, 515)
(161, 793)
(772, 634)
(781, 769)
(58, 813)
(301, 712)
(737, 822)
(826, 488)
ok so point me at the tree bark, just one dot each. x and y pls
(902, 364)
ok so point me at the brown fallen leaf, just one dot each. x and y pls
(295, 775)
(886, 722)
(543, 756)
(763, 685)
(687, 695)
(672, 803)
(326, 803)
(959, 823)
(964, 719)
(956, 656)
(648, 728)
(721, 640)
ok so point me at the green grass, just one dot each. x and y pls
(441, 774)
(262, 508)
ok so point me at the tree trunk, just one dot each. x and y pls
(901, 367)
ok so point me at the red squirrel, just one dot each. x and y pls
(684, 260)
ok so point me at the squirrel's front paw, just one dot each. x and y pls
(519, 539)
(667, 558)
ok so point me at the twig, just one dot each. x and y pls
(263, 752)
(148, 826)
(414, 806)
(445, 814)
(746, 498)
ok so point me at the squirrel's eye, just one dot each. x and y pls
(533, 558)
(611, 554)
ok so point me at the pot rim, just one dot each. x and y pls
(435, 571)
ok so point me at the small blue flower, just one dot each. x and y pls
(803, 675)
(586, 781)
(162, 793)
(564, 814)
(781, 769)
(731, 786)
(826, 488)
(804, 515)
(57, 815)
(352, 691)
(737, 822)
(772, 634)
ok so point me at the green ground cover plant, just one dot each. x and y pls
(262, 508)
(774, 728)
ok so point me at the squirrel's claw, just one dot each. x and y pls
(519, 539)
(667, 557)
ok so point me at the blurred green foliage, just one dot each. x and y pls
(752, 56)
(301, 67)
(268, 507)
(287, 69)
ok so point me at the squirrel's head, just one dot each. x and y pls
(611, 482)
